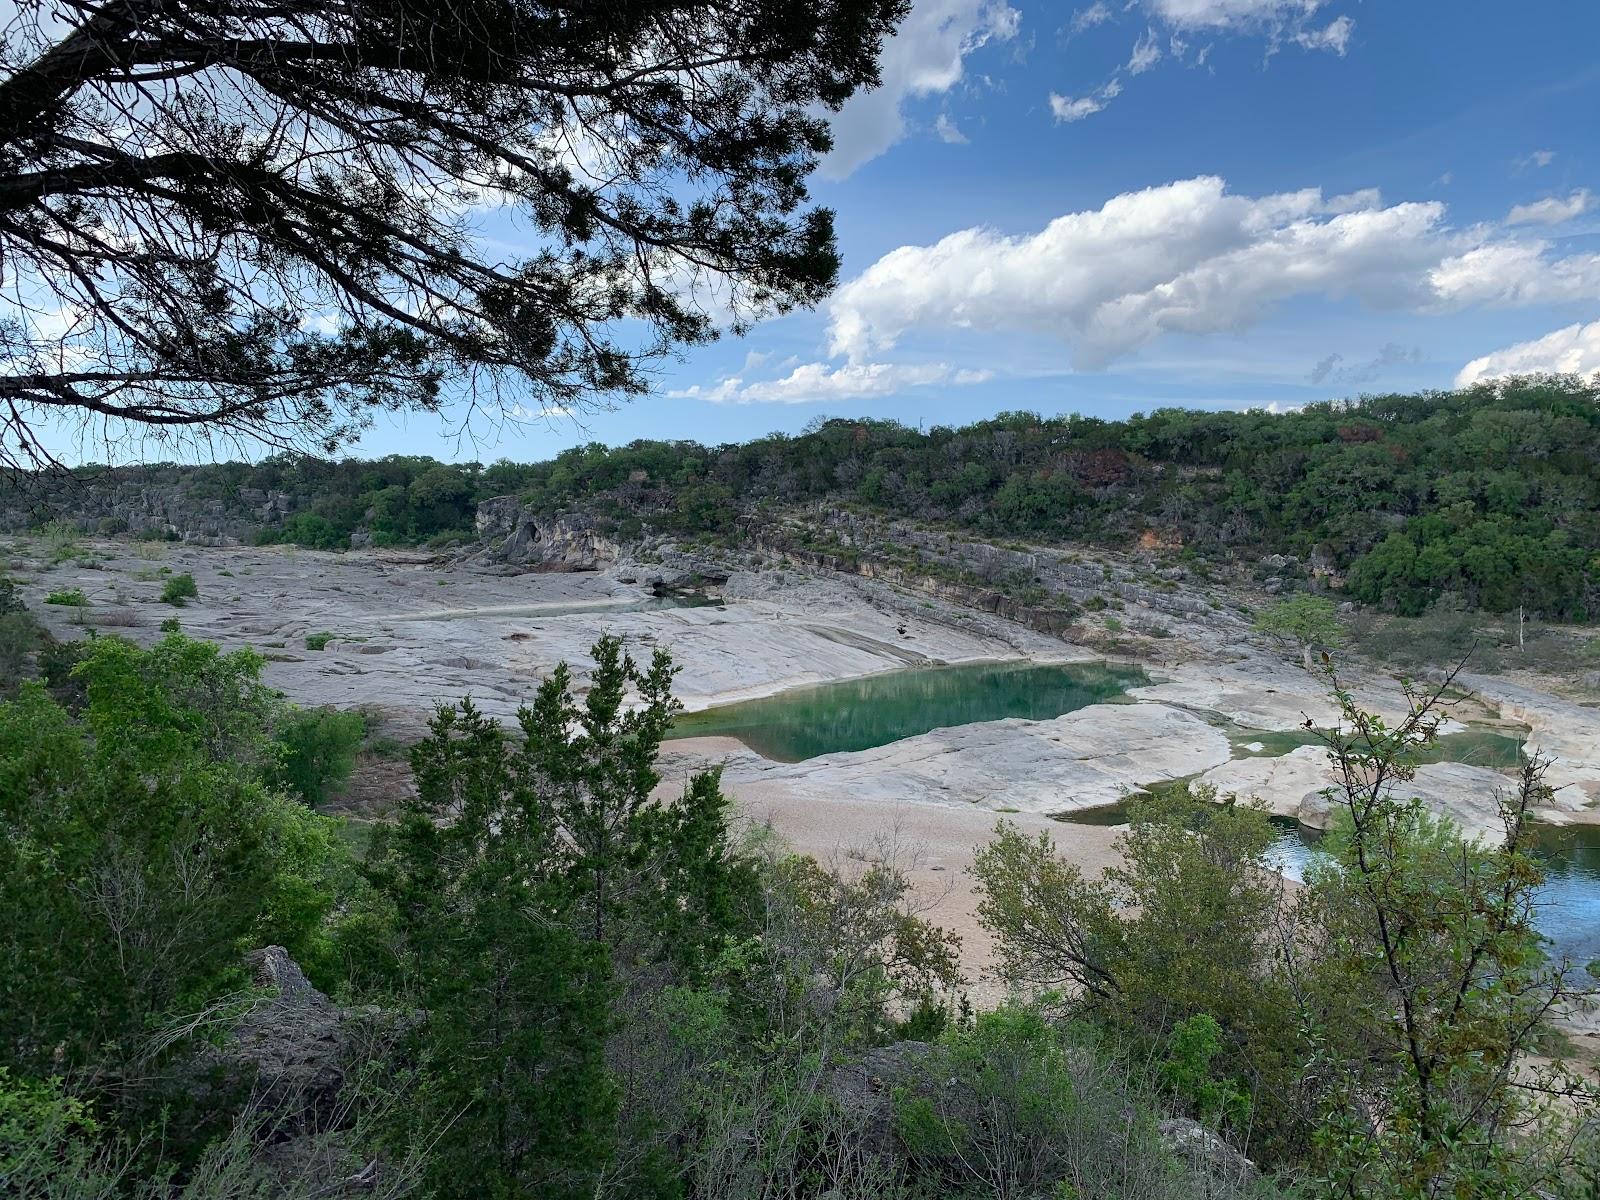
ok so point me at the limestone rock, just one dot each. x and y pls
(569, 542)
(1088, 758)
(1204, 1151)
(294, 1044)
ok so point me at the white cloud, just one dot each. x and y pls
(1335, 36)
(924, 58)
(1539, 158)
(1097, 13)
(1574, 350)
(1190, 257)
(1146, 54)
(815, 382)
(948, 131)
(1274, 18)
(1069, 108)
(1280, 22)
(1552, 210)
(1358, 201)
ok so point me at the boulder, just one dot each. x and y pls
(1205, 1152)
(863, 1088)
(292, 1044)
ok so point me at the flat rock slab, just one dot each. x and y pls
(1089, 758)
(1293, 785)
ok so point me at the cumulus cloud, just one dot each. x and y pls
(925, 58)
(1574, 350)
(815, 382)
(1191, 257)
(1552, 210)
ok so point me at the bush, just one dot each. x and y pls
(319, 641)
(179, 590)
(61, 541)
(319, 751)
(313, 532)
(71, 597)
(20, 636)
(1014, 1106)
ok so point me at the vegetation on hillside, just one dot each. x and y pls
(1487, 498)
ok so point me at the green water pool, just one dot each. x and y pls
(858, 714)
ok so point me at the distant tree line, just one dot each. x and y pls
(1486, 498)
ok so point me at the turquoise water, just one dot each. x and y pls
(858, 714)
(1479, 747)
(1567, 905)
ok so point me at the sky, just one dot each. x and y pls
(1129, 204)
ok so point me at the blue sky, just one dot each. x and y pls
(1122, 205)
(1255, 202)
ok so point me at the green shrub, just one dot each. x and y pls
(71, 597)
(170, 625)
(319, 641)
(319, 751)
(313, 532)
(20, 636)
(62, 541)
(179, 590)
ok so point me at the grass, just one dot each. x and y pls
(70, 597)
(319, 641)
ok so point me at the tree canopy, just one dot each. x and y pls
(259, 220)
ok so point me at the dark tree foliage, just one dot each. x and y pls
(256, 220)
(1489, 496)
(531, 883)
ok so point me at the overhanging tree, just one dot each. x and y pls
(259, 219)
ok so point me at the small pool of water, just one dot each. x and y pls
(1491, 748)
(858, 714)
(643, 604)
(1568, 901)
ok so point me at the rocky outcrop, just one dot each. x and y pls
(516, 535)
(160, 500)
(290, 1049)
(1039, 588)
(1205, 1152)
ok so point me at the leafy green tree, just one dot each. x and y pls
(1422, 951)
(320, 746)
(1304, 621)
(144, 854)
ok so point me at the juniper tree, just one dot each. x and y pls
(258, 218)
